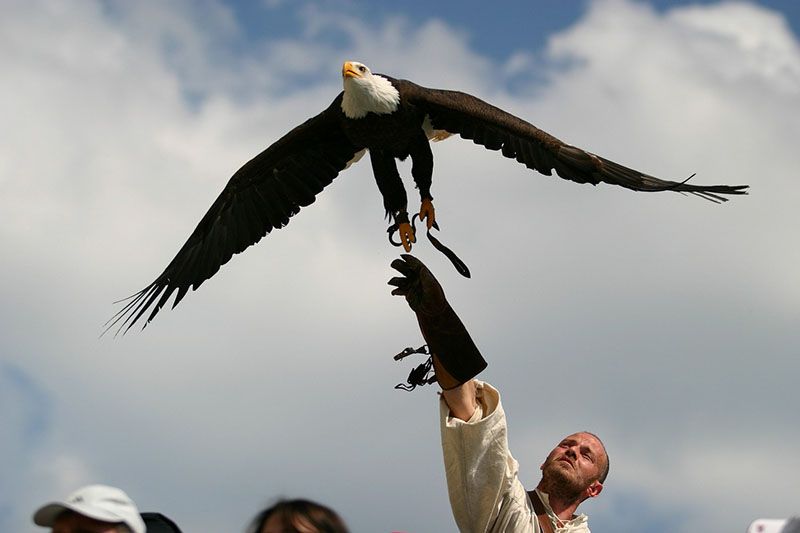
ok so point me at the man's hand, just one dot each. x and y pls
(420, 288)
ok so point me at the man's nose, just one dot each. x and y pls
(571, 453)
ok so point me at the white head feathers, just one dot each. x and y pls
(365, 92)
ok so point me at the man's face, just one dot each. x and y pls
(70, 522)
(572, 469)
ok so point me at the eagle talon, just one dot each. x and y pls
(427, 213)
(406, 233)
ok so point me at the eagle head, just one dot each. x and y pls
(365, 92)
(354, 69)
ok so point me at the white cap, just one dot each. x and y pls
(101, 502)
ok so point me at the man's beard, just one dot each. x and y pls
(563, 483)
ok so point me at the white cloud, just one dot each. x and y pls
(648, 317)
(745, 43)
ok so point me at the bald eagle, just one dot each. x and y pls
(392, 119)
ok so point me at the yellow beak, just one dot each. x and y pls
(349, 71)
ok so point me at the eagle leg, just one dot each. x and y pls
(427, 212)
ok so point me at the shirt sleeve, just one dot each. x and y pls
(485, 493)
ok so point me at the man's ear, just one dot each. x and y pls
(594, 489)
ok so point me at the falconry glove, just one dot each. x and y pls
(455, 357)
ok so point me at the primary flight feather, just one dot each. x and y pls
(392, 119)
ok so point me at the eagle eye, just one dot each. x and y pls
(362, 68)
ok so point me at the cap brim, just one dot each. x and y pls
(47, 514)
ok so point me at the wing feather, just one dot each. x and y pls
(472, 118)
(260, 197)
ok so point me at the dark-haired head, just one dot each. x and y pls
(297, 516)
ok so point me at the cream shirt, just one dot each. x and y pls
(485, 492)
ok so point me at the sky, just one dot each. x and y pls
(664, 323)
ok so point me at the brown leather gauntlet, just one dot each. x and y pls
(456, 359)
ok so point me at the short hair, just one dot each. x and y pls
(322, 518)
(604, 472)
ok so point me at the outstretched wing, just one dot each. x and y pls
(261, 196)
(495, 129)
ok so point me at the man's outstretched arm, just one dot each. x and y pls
(482, 483)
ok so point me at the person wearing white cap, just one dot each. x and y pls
(92, 509)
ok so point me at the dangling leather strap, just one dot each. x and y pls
(420, 375)
(541, 514)
(459, 265)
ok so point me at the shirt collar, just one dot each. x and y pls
(568, 525)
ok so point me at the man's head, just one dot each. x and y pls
(576, 468)
(95, 509)
(297, 516)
